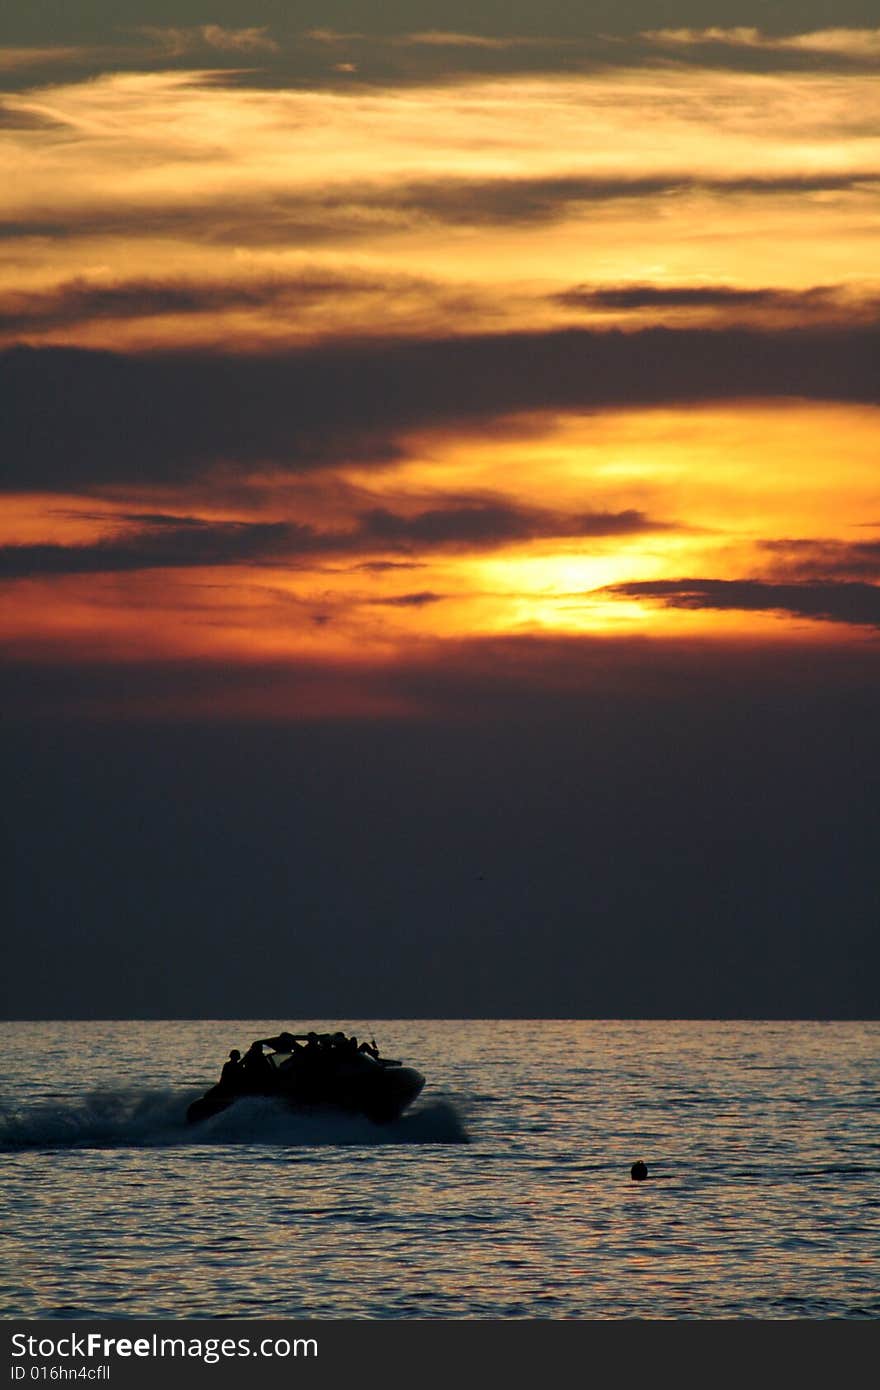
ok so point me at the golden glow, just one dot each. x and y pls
(170, 176)
(720, 483)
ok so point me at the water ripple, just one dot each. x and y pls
(505, 1193)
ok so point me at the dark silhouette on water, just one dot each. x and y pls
(639, 1171)
(230, 1076)
(256, 1066)
(331, 1070)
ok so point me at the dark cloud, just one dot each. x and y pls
(592, 45)
(78, 300)
(833, 601)
(497, 524)
(143, 541)
(36, 227)
(512, 201)
(159, 543)
(380, 566)
(281, 58)
(416, 600)
(823, 298)
(341, 50)
(824, 559)
(78, 419)
(307, 217)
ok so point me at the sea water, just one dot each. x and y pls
(505, 1192)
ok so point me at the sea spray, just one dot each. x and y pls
(100, 1119)
(134, 1118)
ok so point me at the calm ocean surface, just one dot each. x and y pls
(504, 1193)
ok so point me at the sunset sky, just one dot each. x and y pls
(495, 369)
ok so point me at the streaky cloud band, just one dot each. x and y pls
(79, 419)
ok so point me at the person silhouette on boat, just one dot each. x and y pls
(369, 1047)
(311, 1057)
(257, 1068)
(230, 1076)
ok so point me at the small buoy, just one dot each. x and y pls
(639, 1171)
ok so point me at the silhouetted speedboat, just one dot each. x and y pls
(329, 1070)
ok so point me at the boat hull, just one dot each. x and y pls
(378, 1090)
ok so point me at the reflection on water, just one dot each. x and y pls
(504, 1192)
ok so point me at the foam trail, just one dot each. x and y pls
(100, 1119)
(156, 1118)
(258, 1120)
